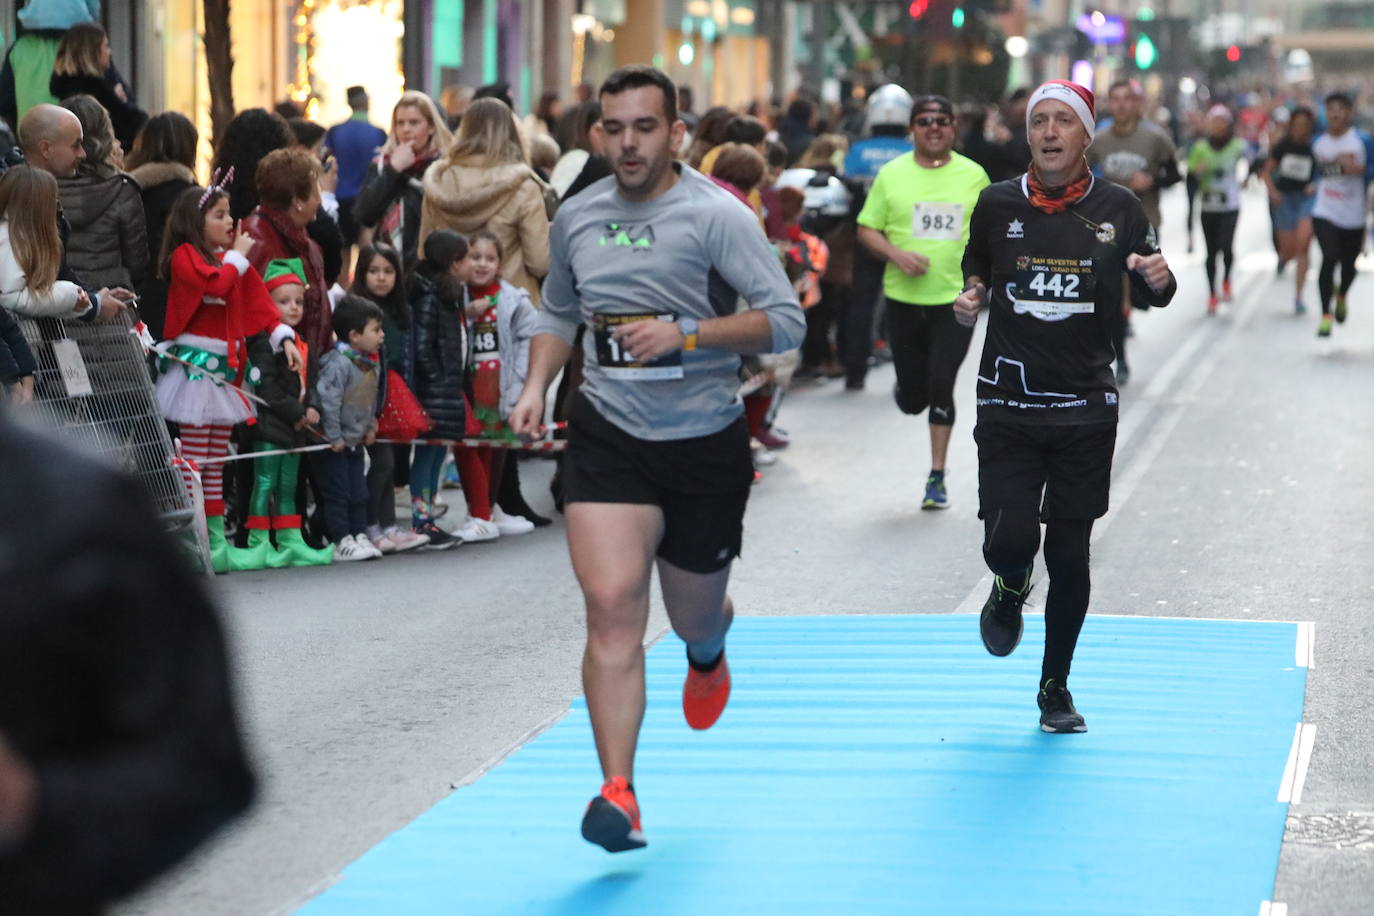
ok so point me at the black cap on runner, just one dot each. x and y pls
(923, 104)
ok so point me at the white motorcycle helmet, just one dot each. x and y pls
(825, 194)
(888, 106)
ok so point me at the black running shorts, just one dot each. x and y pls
(1061, 471)
(701, 484)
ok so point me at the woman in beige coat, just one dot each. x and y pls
(485, 182)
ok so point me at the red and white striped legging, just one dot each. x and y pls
(199, 443)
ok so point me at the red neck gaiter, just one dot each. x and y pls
(1057, 200)
(489, 291)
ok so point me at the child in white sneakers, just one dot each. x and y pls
(502, 320)
(380, 278)
(350, 393)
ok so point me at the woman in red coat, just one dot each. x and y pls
(288, 183)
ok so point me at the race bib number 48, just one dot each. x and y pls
(485, 343)
(938, 222)
(618, 364)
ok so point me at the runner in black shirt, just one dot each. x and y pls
(1052, 246)
(1290, 174)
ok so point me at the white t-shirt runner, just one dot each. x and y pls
(1340, 196)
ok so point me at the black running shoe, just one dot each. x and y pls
(1057, 715)
(439, 539)
(1000, 624)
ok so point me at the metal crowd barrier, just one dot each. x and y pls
(93, 387)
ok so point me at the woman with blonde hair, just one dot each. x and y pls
(83, 67)
(826, 153)
(108, 242)
(31, 249)
(485, 182)
(389, 202)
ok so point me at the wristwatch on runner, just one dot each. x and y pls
(689, 329)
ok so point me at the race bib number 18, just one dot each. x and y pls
(618, 364)
(938, 222)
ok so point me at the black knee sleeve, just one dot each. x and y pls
(909, 401)
(1010, 539)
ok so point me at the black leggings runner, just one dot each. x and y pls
(1011, 540)
(1219, 233)
(928, 346)
(1339, 246)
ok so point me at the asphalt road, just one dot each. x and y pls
(1244, 486)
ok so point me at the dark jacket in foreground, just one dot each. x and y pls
(114, 685)
(439, 345)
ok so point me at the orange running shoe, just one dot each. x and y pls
(612, 818)
(704, 695)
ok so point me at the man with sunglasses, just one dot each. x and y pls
(916, 219)
(1048, 253)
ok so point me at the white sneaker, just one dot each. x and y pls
(349, 549)
(510, 524)
(365, 543)
(380, 539)
(477, 529)
(404, 539)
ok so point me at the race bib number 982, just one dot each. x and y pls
(938, 222)
(618, 364)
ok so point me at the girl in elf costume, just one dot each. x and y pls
(214, 303)
(502, 320)
(288, 423)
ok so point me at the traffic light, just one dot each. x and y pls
(1233, 54)
(1145, 52)
(956, 18)
(918, 8)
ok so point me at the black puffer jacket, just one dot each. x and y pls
(280, 387)
(162, 184)
(439, 349)
(382, 188)
(126, 117)
(108, 245)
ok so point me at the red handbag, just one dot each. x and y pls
(402, 416)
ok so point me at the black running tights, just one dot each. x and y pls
(928, 345)
(1219, 232)
(1339, 246)
(1011, 540)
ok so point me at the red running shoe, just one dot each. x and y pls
(704, 695)
(612, 818)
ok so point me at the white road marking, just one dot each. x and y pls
(1306, 650)
(1273, 909)
(1299, 758)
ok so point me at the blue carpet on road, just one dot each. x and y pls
(887, 764)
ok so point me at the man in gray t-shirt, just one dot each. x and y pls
(654, 261)
(1136, 154)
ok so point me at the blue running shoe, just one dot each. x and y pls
(936, 497)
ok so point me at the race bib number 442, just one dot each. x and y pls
(618, 364)
(1053, 289)
(938, 222)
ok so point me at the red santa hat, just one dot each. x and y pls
(1079, 98)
